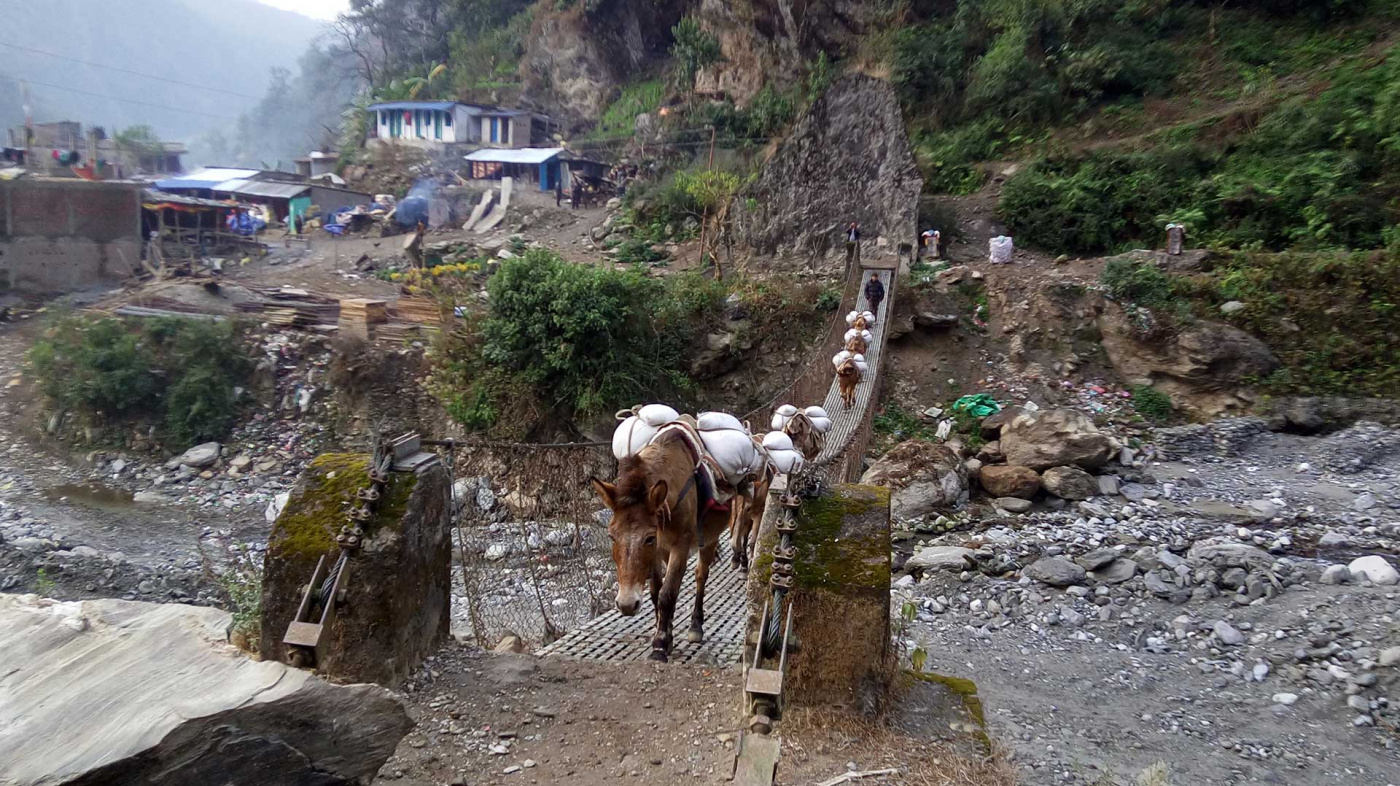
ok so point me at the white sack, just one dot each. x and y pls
(815, 411)
(778, 422)
(658, 415)
(1000, 248)
(734, 452)
(865, 335)
(718, 421)
(777, 440)
(788, 410)
(631, 435)
(821, 425)
(840, 357)
(862, 366)
(786, 461)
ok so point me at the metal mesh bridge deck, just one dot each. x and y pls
(613, 637)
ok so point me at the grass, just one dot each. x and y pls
(1153, 405)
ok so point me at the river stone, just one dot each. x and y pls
(939, 558)
(199, 456)
(1070, 483)
(1108, 485)
(1223, 553)
(1115, 572)
(1013, 504)
(1004, 480)
(123, 692)
(1055, 571)
(1054, 438)
(1097, 558)
(1374, 569)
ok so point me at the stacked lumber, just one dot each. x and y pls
(359, 315)
(420, 310)
(290, 307)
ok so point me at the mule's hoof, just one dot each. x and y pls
(695, 635)
(660, 656)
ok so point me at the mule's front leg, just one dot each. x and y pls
(696, 633)
(666, 604)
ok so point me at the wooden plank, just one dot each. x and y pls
(756, 762)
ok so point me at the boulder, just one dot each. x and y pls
(1221, 553)
(125, 693)
(1004, 480)
(923, 477)
(1054, 438)
(952, 558)
(1375, 569)
(199, 456)
(1115, 572)
(1055, 571)
(993, 423)
(1069, 483)
(1013, 504)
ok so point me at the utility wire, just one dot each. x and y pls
(128, 71)
(117, 98)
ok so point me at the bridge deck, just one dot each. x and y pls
(613, 637)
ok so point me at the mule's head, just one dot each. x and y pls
(847, 369)
(639, 509)
(860, 323)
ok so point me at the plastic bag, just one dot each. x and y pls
(978, 405)
(1001, 247)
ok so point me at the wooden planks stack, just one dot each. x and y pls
(288, 307)
(421, 310)
(358, 316)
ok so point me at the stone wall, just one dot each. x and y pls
(398, 601)
(65, 235)
(847, 159)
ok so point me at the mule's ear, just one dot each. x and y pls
(656, 498)
(606, 491)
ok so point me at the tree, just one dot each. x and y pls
(693, 49)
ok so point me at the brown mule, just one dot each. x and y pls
(748, 514)
(804, 436)
(856, 345)
(848, 376)
(657, 522)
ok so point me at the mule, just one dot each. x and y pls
(804, 436)
(660, 516)
(748, 514)
(847, 377)
(856, 345)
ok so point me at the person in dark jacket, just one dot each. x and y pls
(874, 293)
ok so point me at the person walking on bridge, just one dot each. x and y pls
(852, 246)
(874, 293)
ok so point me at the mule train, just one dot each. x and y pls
(850, 362)
(681, 482)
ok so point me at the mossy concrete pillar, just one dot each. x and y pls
(840, 595)
(398, 591)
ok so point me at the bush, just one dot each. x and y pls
(620, 117)
(1140, 283)
(1152, 404)
(179, 372)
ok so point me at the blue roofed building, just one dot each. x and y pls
(444, 124)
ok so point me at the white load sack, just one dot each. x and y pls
(840, 357)
(658, 415)
(777, 440)
(869, 318)
(821, 425)
(735, 453)
(815, 411)
(1001, 247)
(718, 421)
(631, 436)
(864, 335)
(861, 364)
(786, 461)
(781, 416)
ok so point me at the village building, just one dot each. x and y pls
(284, 193)
(441, 125)
(317, 164)
(66, 235)
(65, 149)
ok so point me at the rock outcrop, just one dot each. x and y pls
(923, 477)
(121, 693)
(1201, 367)
(847, 159)
(1054, 438)
(398, 598)
(1004, 480)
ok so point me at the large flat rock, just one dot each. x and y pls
(118, 692)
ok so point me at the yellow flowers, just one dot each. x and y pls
(417, 275)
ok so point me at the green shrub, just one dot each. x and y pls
(181, 373)
(1141, 283)
(829, 299)
(639, 252)
(1152, 404)
(620, 117)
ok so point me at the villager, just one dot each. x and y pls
(852, 246)
(576, 196)
(874, 292)
(558, 192)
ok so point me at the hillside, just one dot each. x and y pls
(229, 45)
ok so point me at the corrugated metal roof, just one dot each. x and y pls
(413, 105)
(152, 196)
(524, 155)
(263, 188)
(204, 178)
